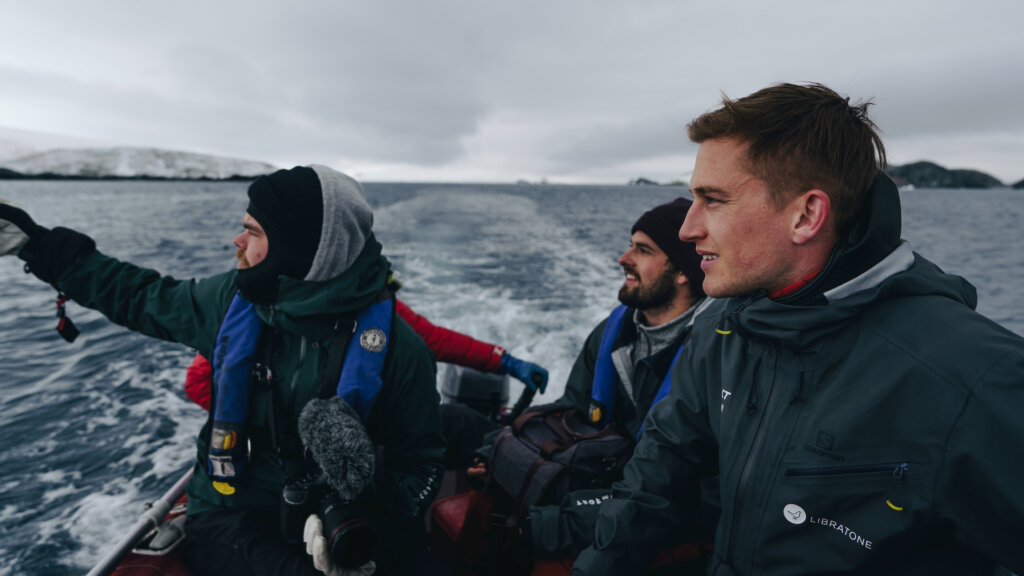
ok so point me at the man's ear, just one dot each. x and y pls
(681, 279)
(811, 215)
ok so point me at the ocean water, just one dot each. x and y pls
(91, 431)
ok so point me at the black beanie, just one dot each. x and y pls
(288, 204)
(662, 224)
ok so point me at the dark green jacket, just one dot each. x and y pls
(563, 530)
(879, 431)
(647, 377)
(405, 422)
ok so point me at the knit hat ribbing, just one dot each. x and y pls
(288, 205)
(662, 224)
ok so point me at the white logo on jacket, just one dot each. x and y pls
(795, 514)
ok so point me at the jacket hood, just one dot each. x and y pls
(347, 222)
(871, 264)
(312, 307)
(798, 327)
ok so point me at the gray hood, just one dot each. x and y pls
(347, 223)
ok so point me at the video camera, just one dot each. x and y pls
(351, 539)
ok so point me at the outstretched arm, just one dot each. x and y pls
(451, 346)
(457, 348)
(137, 298)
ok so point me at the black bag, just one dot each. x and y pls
(552, 450)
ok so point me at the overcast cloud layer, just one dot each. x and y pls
(571, 91)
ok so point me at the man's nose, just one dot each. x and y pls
(691, 228)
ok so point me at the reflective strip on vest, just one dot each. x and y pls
(233, 361)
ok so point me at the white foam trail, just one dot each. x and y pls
(574, 291)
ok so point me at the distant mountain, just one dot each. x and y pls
(16, 143)
(930, 175)
(127, 162)
(1019, 185)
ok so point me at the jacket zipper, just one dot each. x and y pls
(295, 376)
(895, 497)
(748, 466)
(897, 470)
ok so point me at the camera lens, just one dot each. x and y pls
(350, 536)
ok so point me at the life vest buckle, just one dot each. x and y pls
(264, 375)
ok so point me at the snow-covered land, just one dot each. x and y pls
(36, 153)
(123, 162)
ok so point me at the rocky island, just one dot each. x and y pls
(923, 174)
(930, 175)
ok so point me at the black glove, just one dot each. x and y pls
(47, 253)
(16, 228)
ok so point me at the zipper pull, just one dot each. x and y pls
(899, 496)
(899, 471)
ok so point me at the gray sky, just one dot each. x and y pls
(472, 90)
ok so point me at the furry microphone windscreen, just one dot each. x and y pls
(330, 429)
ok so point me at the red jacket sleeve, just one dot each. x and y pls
(451, 346)
(197, 381)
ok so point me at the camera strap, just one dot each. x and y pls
(263, 377)
(341, 335)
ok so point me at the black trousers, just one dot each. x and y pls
(229, 542)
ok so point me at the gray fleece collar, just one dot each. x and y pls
(899, 260)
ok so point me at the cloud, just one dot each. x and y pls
(456, 89)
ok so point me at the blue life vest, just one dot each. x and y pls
(663, 390)
(234, 357)
(606, 378)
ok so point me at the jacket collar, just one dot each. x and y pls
(871, 264)
(874, 236)
(311, 308)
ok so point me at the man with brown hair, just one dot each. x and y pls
(862, 417)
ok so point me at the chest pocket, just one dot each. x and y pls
(843, 513)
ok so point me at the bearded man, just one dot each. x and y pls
(314, 377)
(622, 370)
(660, 297)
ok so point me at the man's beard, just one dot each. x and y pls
(645, 296)
(258, 284)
